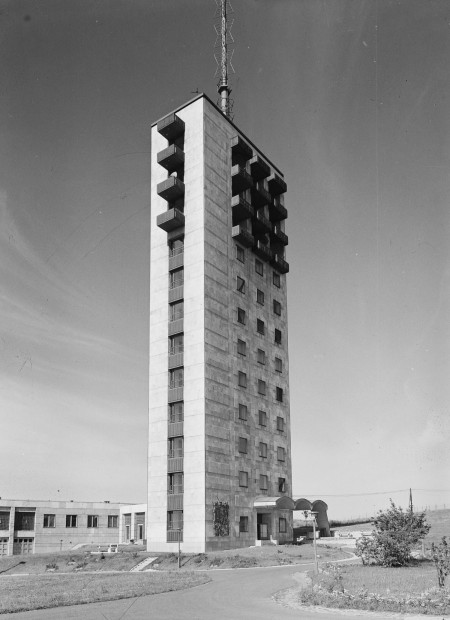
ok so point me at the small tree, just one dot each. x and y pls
(396, 532)
(441, 558)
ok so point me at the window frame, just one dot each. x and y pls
(113, 521)
(276, 279)
(260, 297)
(262, 415)
(281, 485)
(92, 521)
(279, 394)
(278, 364)
(240, 254)
(280, 424)
(243, 524)
(261, 356)
(242, 379)
(172, 413)
(276, 307)
(49, 520)
(263, 482)
(240, 285)
(241, 316)
(260, 327)
(277, 336)
(243, 412)
(241, 347)
(262, 449)
(243, 479)
(281, 452)
(259, 267)
(243, 445)
(262, 387)
(282, 528)
(71, 521)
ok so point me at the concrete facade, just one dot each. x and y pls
(30, 526)
(218, 295)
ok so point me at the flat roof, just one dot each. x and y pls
(202, 95)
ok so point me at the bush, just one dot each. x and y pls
(441, 558)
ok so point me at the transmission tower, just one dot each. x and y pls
(224, 38)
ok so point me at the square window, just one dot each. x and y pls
(243, 479)
(240, 284)
(276, 307)
(243, 524)
(263, 482)
(281, 454)
(261, 356)
(260, 327)
(281, 485)
(241, 316)
(261, 387)
(262, 418)
(243, 411)
(241, 347)
(240, 254)
(280, 424)
(243, 445)
(278, 364)
(276, 279)
(49, 521)
(259, 267)
(242, 379)
(113, 521)
(176, 412)
(260, 297)
(277, 336)
(282, 525)
(279, 394)
(263, 450)
(92, 521)
(71, 520)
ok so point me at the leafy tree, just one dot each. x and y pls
(396, 532)
(441, 558)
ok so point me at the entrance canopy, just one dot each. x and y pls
(284, 503)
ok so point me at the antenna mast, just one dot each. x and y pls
(223, 40)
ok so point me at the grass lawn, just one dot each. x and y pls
(22, 593)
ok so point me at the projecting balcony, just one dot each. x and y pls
(170, 127)
(240, 179)
(278, 235)
(259, 168)
(170, 189)
(276, 184)
(279, 263)
(260, 194)
(242, 210)
(241, 234)
(277, 211)
(240, 150)
(175, 360)
(261, 225)
(263, 251)
(171, 158)
(170, 220)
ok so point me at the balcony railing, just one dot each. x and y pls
(240, 179)
(176, 326)
(175, 360)
(171, 126)
(279, 236)
(277, 211)
(176, 293)
(174, 535)
(175, 429)
(170, 189)
(241, 234)
(174, 489)
(176, 282)
(241, 208)
(280, 264)
(260, 169)
(171, 158)
(176, 383)
(175, 465)
(260, 223)
(175, 394)
(176, 260)
(260, 194)
(170, 220)
(276, 184)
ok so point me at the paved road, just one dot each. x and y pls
(232, 595)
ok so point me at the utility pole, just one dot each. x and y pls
(411, 509)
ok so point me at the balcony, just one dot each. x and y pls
(170, 127)
(240, 150)
(175, 535)
(279, 263)
(170, 189)
(277, 211)
(176, 326)
(242, 210)
(259, 168)
(278, 235)
(174, 464)
(261, 225)
(175, 429)
(276, 184)
(171, 158)
(175, 501)
(263, 251)
(175, 359)
(240, 179)
(241, 234)
(176, 261)
(176, 293)
(170, 220)
(260, 194)
(175, 394)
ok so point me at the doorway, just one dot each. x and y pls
(263, 525)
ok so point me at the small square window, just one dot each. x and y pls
(280, 424)
(243, 412)
(71, 520)
(277, 336)
(242, 379)
(282, 525)
(279, 394)
(276, 307)
(241, 347)
(263, 450)
(243, 479)
(92, 521)
(259, 267)
(281, 485)
(260, 297)
(241, 316)
(281, 454)
(240, 284)
(240, 254)
(113, 521)
(243, 524)
(276, 279)
(243, 445)
(261, 356)
(262, 418)
(261, 387)
(49, 521)
(260, 327)
(278, 364)
(263, 482)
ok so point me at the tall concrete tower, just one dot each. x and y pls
(219, 466)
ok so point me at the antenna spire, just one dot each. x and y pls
(223, 40)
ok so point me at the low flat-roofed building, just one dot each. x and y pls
(132, 524)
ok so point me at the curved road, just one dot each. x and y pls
(231, 595)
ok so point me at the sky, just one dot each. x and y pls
(351, 100)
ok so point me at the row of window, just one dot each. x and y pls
(260, 325)
(259, 266)
(263, 480)
(260, 297)
(282, 525)
(261, 355)
(243, 449)
(262, 417)
(72, 520)
(262, 386)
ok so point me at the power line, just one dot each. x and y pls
(371, 493)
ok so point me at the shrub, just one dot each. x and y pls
(441, 558)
